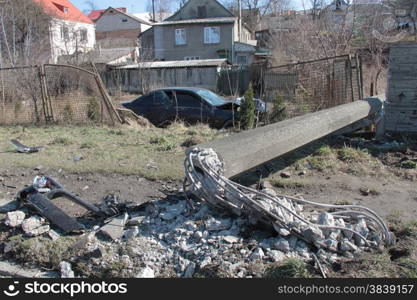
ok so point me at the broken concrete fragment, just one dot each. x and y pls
(53, 235)
(231, 239)
(276, 255)
(284, 232)
(7, 205)
(346, 245)
(283, 245)
(217, 225)
(15, 218)
(205, 262)
(258, 254)
(34, 226)
(66, 271)
(146, 272)
(131, 233)
(189, 271)
(136, 221)
(115, 228)
(326, 219)
(39, 231)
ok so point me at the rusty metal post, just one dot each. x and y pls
(248, 149)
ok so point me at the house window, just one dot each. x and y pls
(242, 60)
(124, 20)
(64, 33)
(65, 10)
(180, 36)
(211, 35)
(192, 58)
(83, 35)
(202, 11)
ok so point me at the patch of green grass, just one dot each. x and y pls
(106, 150)
(408, 164)
(61, 140)
(348, 154)
(289, 268)
(41, 250)
(88, 145)
(289, 183)
(324, 150)
(410, 228)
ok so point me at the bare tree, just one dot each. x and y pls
(24, 32)
(160, 7)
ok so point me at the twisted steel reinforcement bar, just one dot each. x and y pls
(246, 150)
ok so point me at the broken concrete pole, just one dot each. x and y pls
(15, 218)
(269, 142)
(115, 228)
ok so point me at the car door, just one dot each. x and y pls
(190, 108)
(160, 108)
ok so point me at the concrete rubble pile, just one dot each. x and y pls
(343, 229)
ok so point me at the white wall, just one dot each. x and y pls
(61, 46)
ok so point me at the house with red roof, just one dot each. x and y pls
(96, 13)
(70, 30)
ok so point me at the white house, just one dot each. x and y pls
(70, 30)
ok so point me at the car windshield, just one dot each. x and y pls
(211, 97)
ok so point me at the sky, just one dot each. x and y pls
(133, 6)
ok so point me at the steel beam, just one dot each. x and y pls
(245, 150)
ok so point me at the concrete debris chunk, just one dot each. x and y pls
(146, 272)
(15, 218)
(217, 225)
(283, 245)
(231, 239)
(276, 255)
(53, 235)
(258, 254)
(131, 233)
(115, 228)
(66, 270)
(189, 271)
(34, 226)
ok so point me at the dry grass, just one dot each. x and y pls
(124, 150)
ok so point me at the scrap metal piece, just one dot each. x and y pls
(24, 149)
(53, 213)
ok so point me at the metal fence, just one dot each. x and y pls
(303, 87)
(54, 94)
(315, 85)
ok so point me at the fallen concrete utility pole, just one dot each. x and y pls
(337, 228)
(246, 150)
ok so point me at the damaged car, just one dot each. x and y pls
(191, 105)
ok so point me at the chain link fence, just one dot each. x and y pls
(54, 94)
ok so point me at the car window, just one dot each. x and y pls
(160, 98)
(188, 100)
(211, 97)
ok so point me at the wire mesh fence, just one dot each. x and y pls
(315, 85)
(58, 94)
(302, 87)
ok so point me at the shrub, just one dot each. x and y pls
(247, 110)
(93, 110)
(278, 112)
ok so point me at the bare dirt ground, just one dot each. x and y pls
(92, 187)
